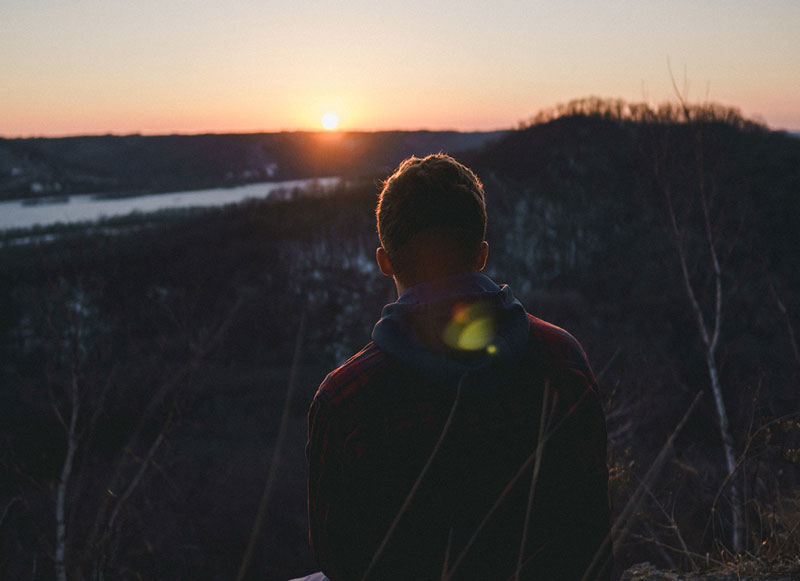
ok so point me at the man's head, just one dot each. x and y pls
(431, 220)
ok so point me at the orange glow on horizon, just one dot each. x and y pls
(149, 67)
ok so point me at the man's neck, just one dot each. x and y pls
(401, 288)
(465, 282)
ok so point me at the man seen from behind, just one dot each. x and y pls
(466, 440)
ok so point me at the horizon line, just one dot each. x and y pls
(792, 130)
(251, 132)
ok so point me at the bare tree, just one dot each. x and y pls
(122, 484)
(78, 385)
(709, 314)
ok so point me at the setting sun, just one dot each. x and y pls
(330, 121)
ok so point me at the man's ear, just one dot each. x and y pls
(483, 253)
(383, 261)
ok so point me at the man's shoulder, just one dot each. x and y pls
(354, 373)
(559, 345)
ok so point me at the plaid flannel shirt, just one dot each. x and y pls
(373, 425)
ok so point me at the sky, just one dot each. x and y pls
(72, 67)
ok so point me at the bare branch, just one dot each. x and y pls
(546, 414)
(11, 503)
(620, 528)
(276, 455)
(707, 558)
(417, 482)
(606, 367)
(673, 526)
(501, 497)
(681, 95)
(134, 483)
(687, 281)
(63, 482)
(782, 308)
(169, 386)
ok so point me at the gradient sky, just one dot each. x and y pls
(187, 66)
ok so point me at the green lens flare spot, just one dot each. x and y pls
(476, 335)
(471, 328)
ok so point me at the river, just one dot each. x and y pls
(90, 207)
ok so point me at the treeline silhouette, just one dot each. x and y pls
(147, 363)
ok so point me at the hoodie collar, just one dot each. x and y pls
(442, 289)
(418, 327)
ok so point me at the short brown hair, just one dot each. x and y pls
(431, 209)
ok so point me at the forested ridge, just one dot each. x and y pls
(123, 165)
(155, 379)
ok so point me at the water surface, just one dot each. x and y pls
(88, 207)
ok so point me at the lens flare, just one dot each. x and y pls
(471, 328)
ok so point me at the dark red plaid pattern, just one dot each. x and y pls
(373, 425)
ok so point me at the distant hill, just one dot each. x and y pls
(134, 164)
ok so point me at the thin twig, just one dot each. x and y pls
(417, 482)
(276, 455)
(707, 558)
(620, 528)
(509, 486)
(11, 503)
(535, 476)
(63, 482)
(137, 478)
(747, 445)
(784, 311)
(660, 544)
(168, 386)
(673, 525)
(606, 367)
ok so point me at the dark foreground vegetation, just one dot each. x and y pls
(155, 373)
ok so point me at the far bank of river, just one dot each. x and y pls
(90, 207)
